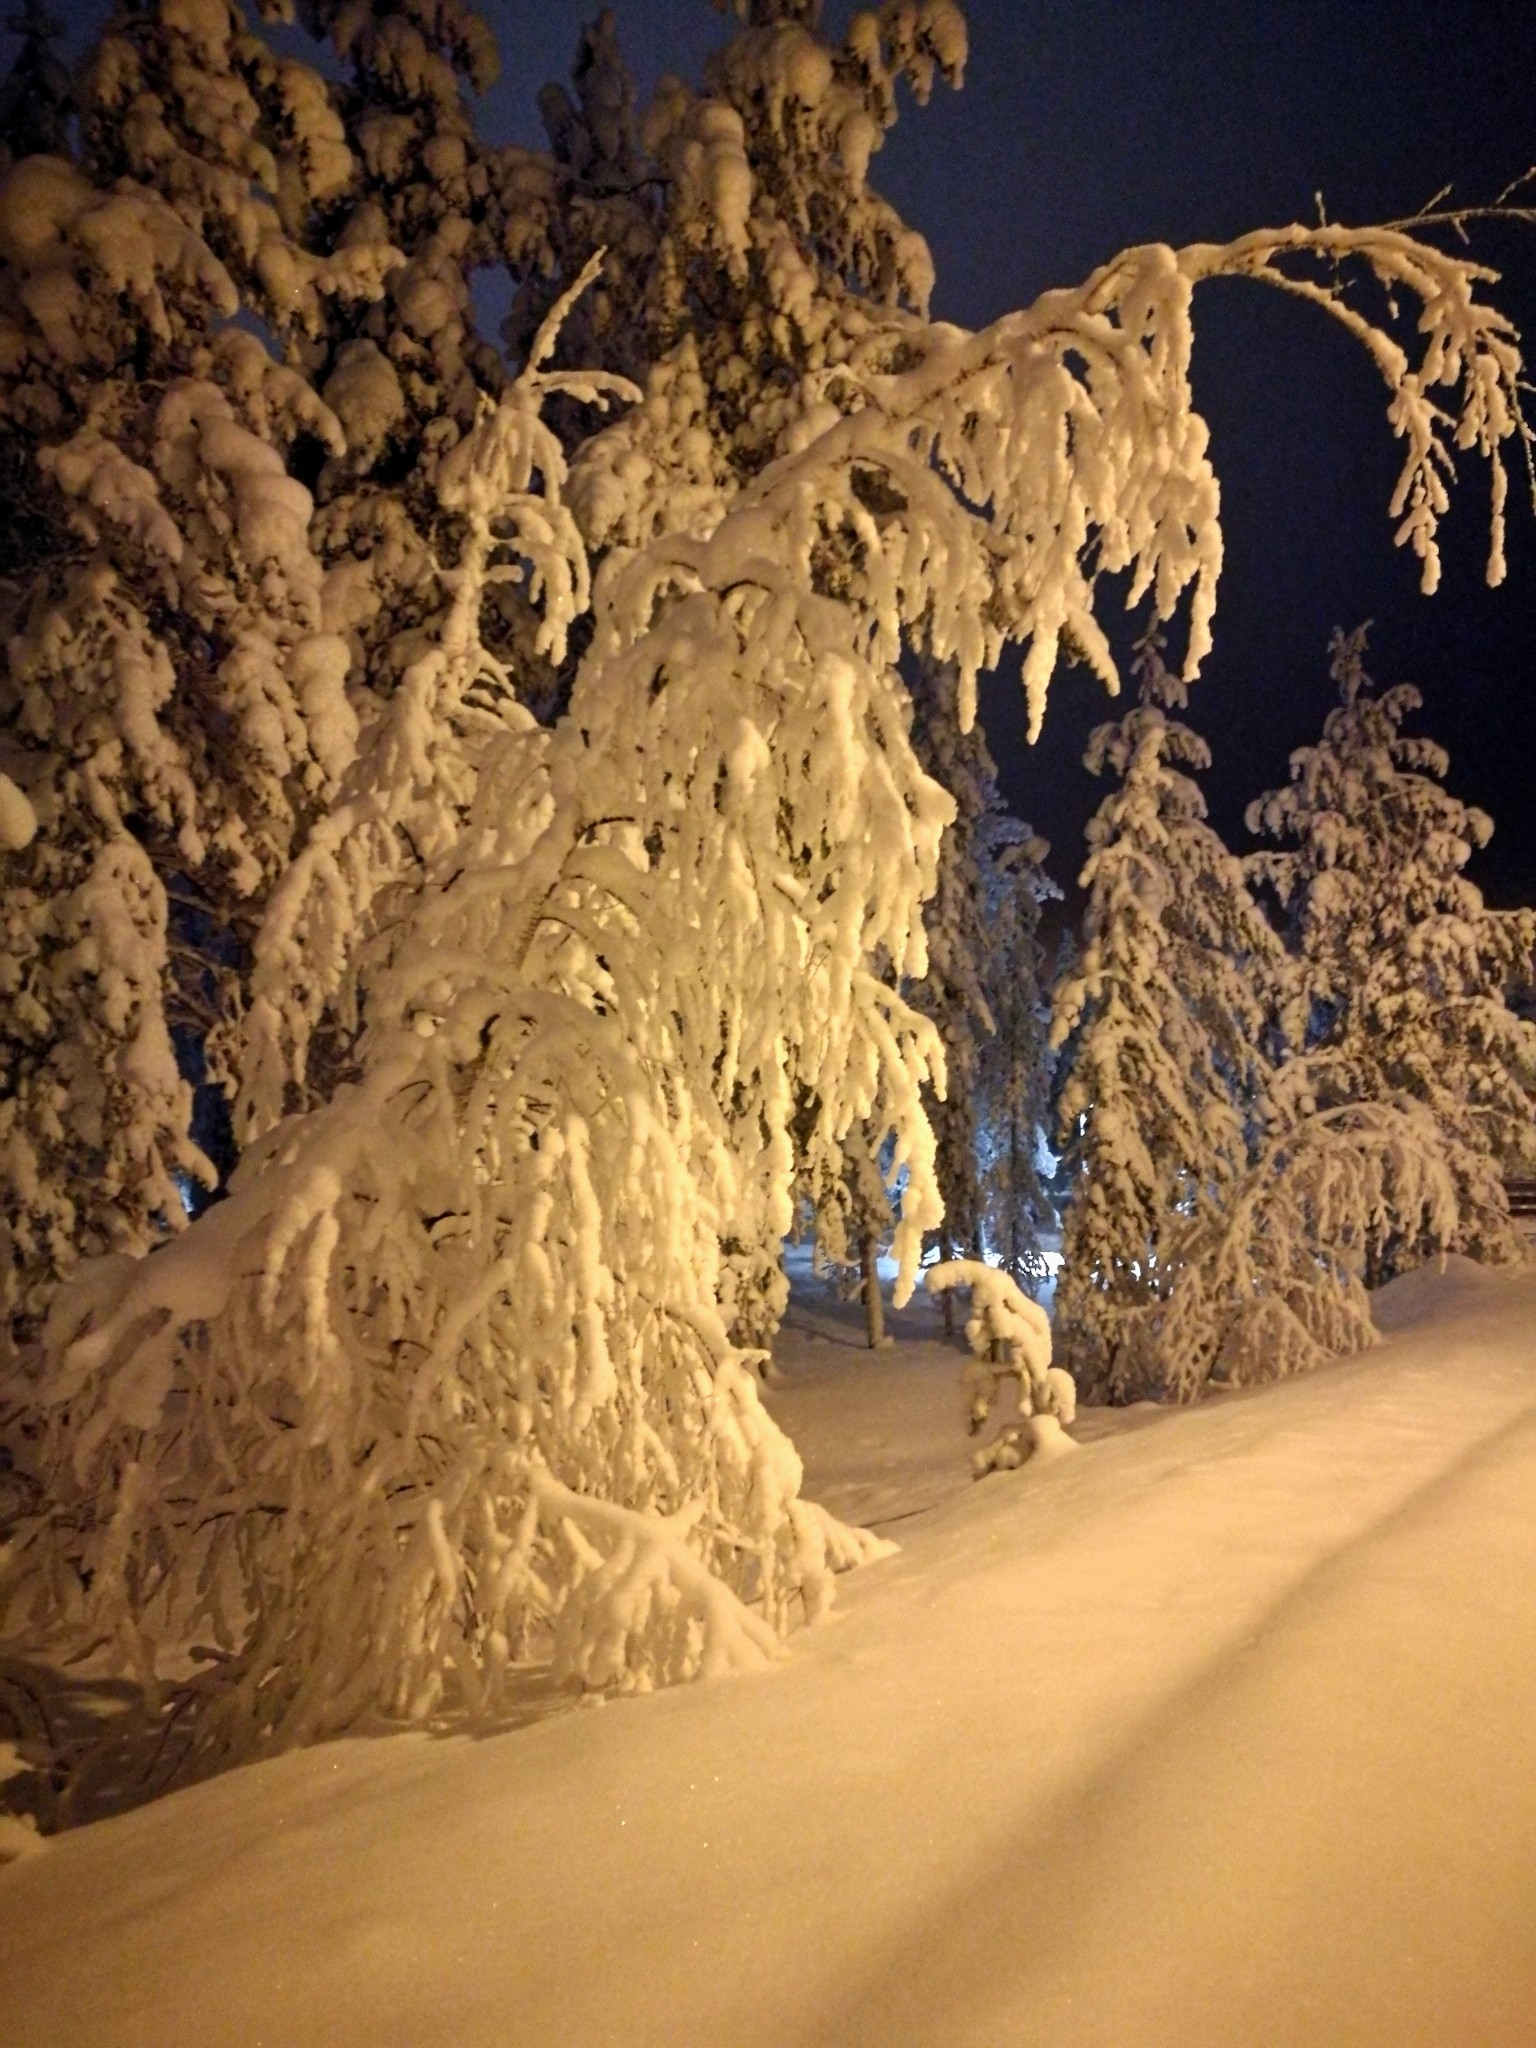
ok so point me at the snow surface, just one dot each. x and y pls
(1219, 1732)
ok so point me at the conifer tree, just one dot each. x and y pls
(1016, 1064)
(983, 992)
(1403, 971)
(1162, 1028)
(173, 696)
(1404, 1094)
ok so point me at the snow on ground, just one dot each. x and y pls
(1219, 1732)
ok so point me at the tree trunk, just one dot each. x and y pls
(946, 1253)
(874, 1308)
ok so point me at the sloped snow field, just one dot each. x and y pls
(1221, 1731)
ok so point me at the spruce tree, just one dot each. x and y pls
(1404, 973)
(1014, 1082)
(983, 992)
(1161, 1026)
(1404, 1093)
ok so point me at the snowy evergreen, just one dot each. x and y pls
(747, 254)
(845, 1205)
(1407, 1086)
(1163, 1027)
(528, 1018)
(174, 697)
(1404, 973)
(1016, 1064)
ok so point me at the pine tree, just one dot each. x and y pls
(1405, 1089)
(1403, 971)
(1162, 1026)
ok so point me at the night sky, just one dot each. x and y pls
(1086, 125)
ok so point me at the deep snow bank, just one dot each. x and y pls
(1218, 1733)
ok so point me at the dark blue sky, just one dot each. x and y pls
(1089, 124)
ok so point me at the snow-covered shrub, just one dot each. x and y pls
(1275, 1281)
(1010, 1338)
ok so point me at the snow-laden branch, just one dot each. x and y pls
(1470, 354)
(1276, 1281)
(1071, 428)
(406, 796)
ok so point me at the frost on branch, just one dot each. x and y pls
(249, 593)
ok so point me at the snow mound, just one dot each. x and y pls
(1447, 1286)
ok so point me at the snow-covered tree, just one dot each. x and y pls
(1010, 1338)
(251, 519)
(845, 1207)
(1405, 1090)
(1404, 972)
(445, 1376)
(746, 249)
(1163, 1027)
(173, 702)
(744, 253)
(1016, 1064)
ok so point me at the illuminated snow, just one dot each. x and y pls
(1216, 1733)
